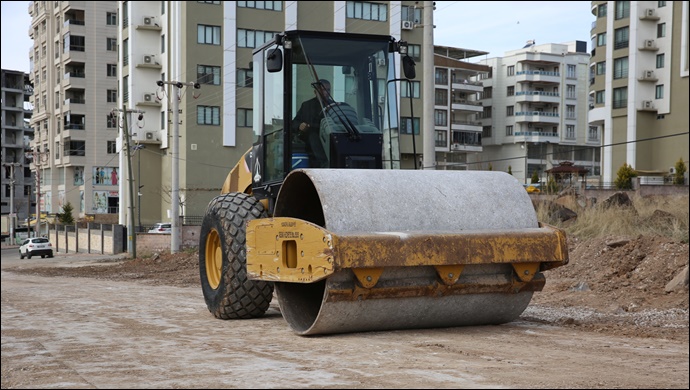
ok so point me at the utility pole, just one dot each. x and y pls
(138, 148)
(39, 158)
(428, 85)
(175, 195)
(131, 234)
(13, 214)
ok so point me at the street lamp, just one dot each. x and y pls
(137, 148)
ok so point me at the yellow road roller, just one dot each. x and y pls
(322, 211)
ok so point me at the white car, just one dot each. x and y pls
(34, 247)
(161, 227)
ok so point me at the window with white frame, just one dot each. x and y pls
(208, 115)
(510, 110)
(570, 111)
(405, 89)
(570, 91)
(659, 92)
(208, 74)
(111, 147)
(367, 11)
(441, 117)
(111, 70)
(208, 35)
(111, 19)
(510, 70)
(509, 131)
(569, 131)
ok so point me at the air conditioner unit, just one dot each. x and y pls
(149, 97)
(648, 74)
(672, 170)
(148, 59)
(649, 12)
(455, 147)
(149, 135)
(381, 62)
(407, 25)
(647, 104)
(148, 20)
(382, 99)
(529, 125)
(648, 43)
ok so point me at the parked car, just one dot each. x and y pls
(161, 227)
(34, 247)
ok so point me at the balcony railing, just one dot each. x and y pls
(538, 73)
(536, 133)
(74, 126)
(540, 93)
(541, 113)
(75, 101)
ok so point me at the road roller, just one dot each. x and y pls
(347, 236)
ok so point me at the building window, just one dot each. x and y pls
(208, 35)
(125, 89)
(208, 115)
(486, 113)
(441, 76)
(600, 97)
(415, 51)
(111, 122)
(244, 117)
(111, 19)
(111, 44)
(218, 2)
(510, 110)
(570, 91)
(441, 117)
(601, 39)
(441, 138)
(659, 93)
(207, 74)
(620, 68)
(661, 4)
(367, 11)
(112, 95)
(602, 11)
(601, 68)
(245, 78)
(661, 30)
(253, 38)
(570, 111)
(660, 59)
(125, 52)
(111, 70)
(570, 131)
(162, 120)
(511, 70)
(412, 14)
(593, 133)
(571, 71)
(440, 97)
(406, 125)
(163, 43)
(267, 5)
(622, 9)
(486, 132)
(620, 97)
(509, 131)
(510, 91)
(111, 147)
(405, 89)
(125, 12)
(622, 37)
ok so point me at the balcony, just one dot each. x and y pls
(537, 97)
(541, 76)
(537, 116)
(466, 105)
(460, 125)
(467, 86)
(75, 104)
(537, 136)
(74, 79)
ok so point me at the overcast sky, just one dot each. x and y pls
(491, 26)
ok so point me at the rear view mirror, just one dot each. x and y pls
(274, 60)
(409, 67)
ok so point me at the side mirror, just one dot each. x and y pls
(408, 67)
(274, 60)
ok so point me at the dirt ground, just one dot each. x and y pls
(605, 320)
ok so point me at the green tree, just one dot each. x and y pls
(679, 176)
(491, 167)
(65, 217)
(551, 186)
(624, 178)
(535, 177)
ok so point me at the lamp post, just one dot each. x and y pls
(138, 148)
(39, 158)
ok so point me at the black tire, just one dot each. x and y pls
(28, 255)
(20, 255)
(50, 256)
(228, 293)
(43, 256)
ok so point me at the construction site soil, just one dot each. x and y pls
(628, 289)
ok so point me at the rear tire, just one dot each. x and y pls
(228, 293)
(28, 256)
(21, 256)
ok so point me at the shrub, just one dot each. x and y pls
(510, 170)
(624, 178)
(65, 217)
(679, 176)
(551, 186)
(535, 177)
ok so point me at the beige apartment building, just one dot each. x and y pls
(211, 43)
(73, 68)
(638, 81)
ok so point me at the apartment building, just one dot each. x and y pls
(534, 111)
(457, 106)
(638, 81)
(211, 43)
(73, 68)
(17, 181)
